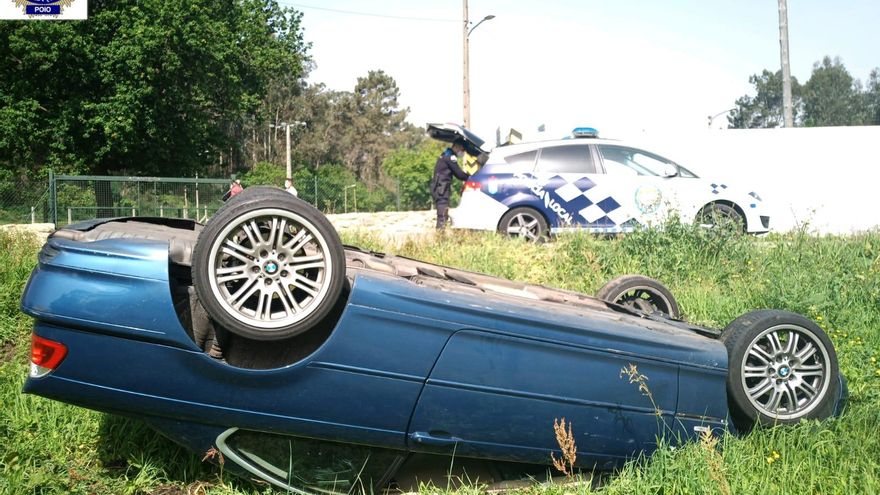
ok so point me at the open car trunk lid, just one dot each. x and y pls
(450, 132)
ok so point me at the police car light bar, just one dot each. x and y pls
(584, 132)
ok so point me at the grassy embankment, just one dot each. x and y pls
(48, 447)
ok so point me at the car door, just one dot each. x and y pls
(565, 182)
(648, 187)
(497, 395)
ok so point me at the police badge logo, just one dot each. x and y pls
(648, 199)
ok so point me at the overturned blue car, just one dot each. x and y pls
(318, 367)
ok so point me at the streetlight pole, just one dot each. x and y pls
(465, 36)
(719, 114)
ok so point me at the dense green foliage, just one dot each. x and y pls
(160, 88)
(152, 87)
(49, 447)
(413, 169)
(332, 188)
(765, 108)
(831, 97)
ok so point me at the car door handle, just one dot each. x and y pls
(434, 439)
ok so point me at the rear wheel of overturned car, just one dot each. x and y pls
(525, 223)
(640, 293)
(782, 368)
(268, 266)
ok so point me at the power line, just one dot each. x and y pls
(368, 14)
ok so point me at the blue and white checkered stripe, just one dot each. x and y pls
(717, 188)
(582, 196)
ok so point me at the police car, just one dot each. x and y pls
(598, 185)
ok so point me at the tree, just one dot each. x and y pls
(832, 97)
(412, 169)
(264, 174)
(369, 119)
(146, 87)
(872, 98)
(765, 108)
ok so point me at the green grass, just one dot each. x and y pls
(48, 447)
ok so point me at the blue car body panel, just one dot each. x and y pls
(407, 366)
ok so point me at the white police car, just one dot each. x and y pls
(597, 185)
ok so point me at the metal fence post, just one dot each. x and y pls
(316, 191)
(33, 215)
(197, 197)
(53, 198)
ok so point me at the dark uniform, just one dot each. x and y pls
(441, 183)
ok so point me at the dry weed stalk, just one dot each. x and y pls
(631, 371)
(212, 453)
(714, 461)
(565, 439)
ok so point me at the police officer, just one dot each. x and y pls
(441, 183)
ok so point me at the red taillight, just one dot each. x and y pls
(47, 353)
(471, 186)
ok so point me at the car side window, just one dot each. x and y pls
(620, 160)
(683, 172)
(306, 466)
(526, 160)
(566, 159)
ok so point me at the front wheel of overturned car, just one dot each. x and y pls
(782, 368)
(525, 223)
(268, 266)
(641, 293)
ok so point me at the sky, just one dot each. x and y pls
(622, 66)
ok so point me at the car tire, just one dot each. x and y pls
(267, 265)
(640, 293)
(720, 215)
(525, 223)
(782, 368)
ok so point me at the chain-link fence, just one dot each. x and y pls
(345, 197)
(65, 199)
(24, 202)
(74, 198)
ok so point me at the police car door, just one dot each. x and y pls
(642, 183)
(566, 186)
(582, 196)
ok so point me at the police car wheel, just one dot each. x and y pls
(640, 293)
(782, 368)
(717, 215)
(268, 265)
(525, 223)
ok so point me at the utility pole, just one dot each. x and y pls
(286, 126)
(466, 89)
(788, 119)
